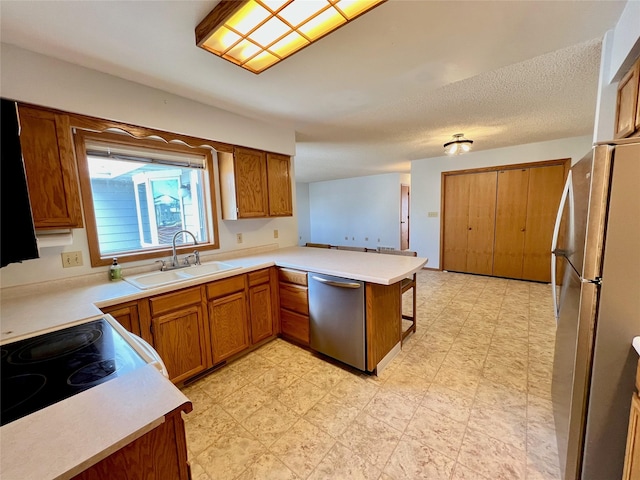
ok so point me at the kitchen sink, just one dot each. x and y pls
(158, 279)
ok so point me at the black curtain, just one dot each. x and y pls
(17, 234)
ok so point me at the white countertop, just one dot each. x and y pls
(49, 306)
(636, 344)
(67, 437)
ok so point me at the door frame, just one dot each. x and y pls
(405, 195)
(566, 162)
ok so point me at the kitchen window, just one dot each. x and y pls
(139, 193)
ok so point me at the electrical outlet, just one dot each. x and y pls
(346, 238)
(238, 237)
(71, 259)
(366, 239)
(275, 234)
(432, 214)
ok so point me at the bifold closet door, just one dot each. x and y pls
(511, 222)
(545, 190)
(469, 216)
(456, 222)
(481, 221)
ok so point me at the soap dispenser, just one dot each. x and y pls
(115, 272)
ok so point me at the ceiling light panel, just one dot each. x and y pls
(257, 34)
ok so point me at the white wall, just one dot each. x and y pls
(426, 183)
(33, 78)
(302, 201)
(362, 211)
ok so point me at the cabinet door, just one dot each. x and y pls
(179, 338)
(279, 181)
(511, 218)
(47, 149)
(251, 183)
(627, 103)
(261, 312)
(632, 458)
(456, 222)
(295, 326)
(127, 315)
(228, 325)
(481, 222)
(545, 190)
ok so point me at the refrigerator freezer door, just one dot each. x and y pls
(575, 216)
(618, 320)
(598, 208)
(571, 225)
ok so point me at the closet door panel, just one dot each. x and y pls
(545, 190)
(456, 221)
(511, 217)
(481, 229)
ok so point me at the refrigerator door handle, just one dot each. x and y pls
(554, 245)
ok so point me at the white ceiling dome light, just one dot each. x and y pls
(457, 145)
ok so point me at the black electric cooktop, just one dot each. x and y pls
(43, 370)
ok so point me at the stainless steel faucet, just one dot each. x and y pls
(175, 263)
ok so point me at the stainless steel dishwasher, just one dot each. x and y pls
(336, 315)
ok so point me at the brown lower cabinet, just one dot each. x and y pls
(294, 305)
(160, 454)
(127, 315)
(194, 328)
(228, 325)
(178, 327)
(262, 305)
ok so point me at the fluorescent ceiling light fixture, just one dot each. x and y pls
(257, 34)
(457, 145)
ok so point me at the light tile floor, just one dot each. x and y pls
(468, 398)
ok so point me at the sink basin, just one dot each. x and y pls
(208, 269)
(158, 279)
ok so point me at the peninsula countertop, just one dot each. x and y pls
(39, 308)
(73, 423)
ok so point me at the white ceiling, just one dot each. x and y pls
(389, 88)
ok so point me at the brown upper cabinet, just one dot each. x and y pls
(254, 184)
(628, 104)
(52, 178)
(279, 182)
(500, 222)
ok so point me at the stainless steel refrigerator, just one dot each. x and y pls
(596, 282)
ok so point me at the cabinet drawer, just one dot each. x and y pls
(295, 325)
(256, 278)
(294, 297)
(226, 286)
(292, 276)
(170, 301)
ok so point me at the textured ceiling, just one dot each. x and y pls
(389, 88)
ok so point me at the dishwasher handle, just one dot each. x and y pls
(333, 283)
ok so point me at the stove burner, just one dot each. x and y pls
(92, 373)
(3, 353)
(14, 391)
(55, 345)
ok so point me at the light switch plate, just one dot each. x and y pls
(71, 259)
(432, 214)
(239, 237)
